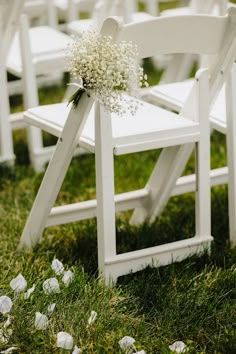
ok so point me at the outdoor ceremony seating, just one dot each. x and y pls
(35, 52)
(152, 127)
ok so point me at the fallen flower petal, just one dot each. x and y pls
(51, 286)
(8, 322)
(67, 277)
(178, 347)
(64, 340)
(51, 308)
(92, 317)
(126, 342)
(29, 292)
(76, 350)
(19, 283)
(41, 321)
(5, 304)
(3, 338)
(9, 350)
(57, 266)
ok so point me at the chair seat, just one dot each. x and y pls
(141, 16)
(175, 94)
(77, 27)
(179, 11)
(47, 45)
(130, 133)
(84, 5)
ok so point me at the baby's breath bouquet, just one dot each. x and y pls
(106, 70)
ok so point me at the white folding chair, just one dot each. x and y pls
(35, 52)
(9, 14)
(179, 66)
(151, 128)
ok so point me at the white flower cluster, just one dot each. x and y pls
(106, 70)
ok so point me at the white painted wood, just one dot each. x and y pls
(231, 151)
(55, 172)
(9, 13)
(105, 190)
(176, 133)
(36, 51)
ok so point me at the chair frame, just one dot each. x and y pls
(149, 201)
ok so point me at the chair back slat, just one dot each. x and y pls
(199, 34)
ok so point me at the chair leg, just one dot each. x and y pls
(54, 175)
(202, 194)
(6, 141)
(106, 230)
(231, 152)
(30, 94)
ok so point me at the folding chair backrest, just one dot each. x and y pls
(41, 12)
(196, 34)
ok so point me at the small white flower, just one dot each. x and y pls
(57, 266)
(67, 277)
(76, 350)
(141, 352)
(29, 292)
(126, 342)
(178, 347)
(9, 350)
(41, 321)
(19, 283)
(92, 317)
(64, 340)
(5, 304)
(51, 308)
(3, 337)
(51, 286)
(8, 322)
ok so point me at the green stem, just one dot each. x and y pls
(74, 99)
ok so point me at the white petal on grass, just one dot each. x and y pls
(67, 277)
(41, 321)
(51, 308)
(8, 322)
(19, 283)
(5, 304)
(178, 347)
(92, 317)
(9, 350)
(126, 342)
(57, 266)
(76, 350)
(3, 337)
(64, 340)
(29, 292)
(51, 286)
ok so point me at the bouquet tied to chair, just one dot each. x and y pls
(105, 70)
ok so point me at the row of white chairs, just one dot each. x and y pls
(153, 127)
(37, 55)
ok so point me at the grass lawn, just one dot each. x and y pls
(193, 301)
